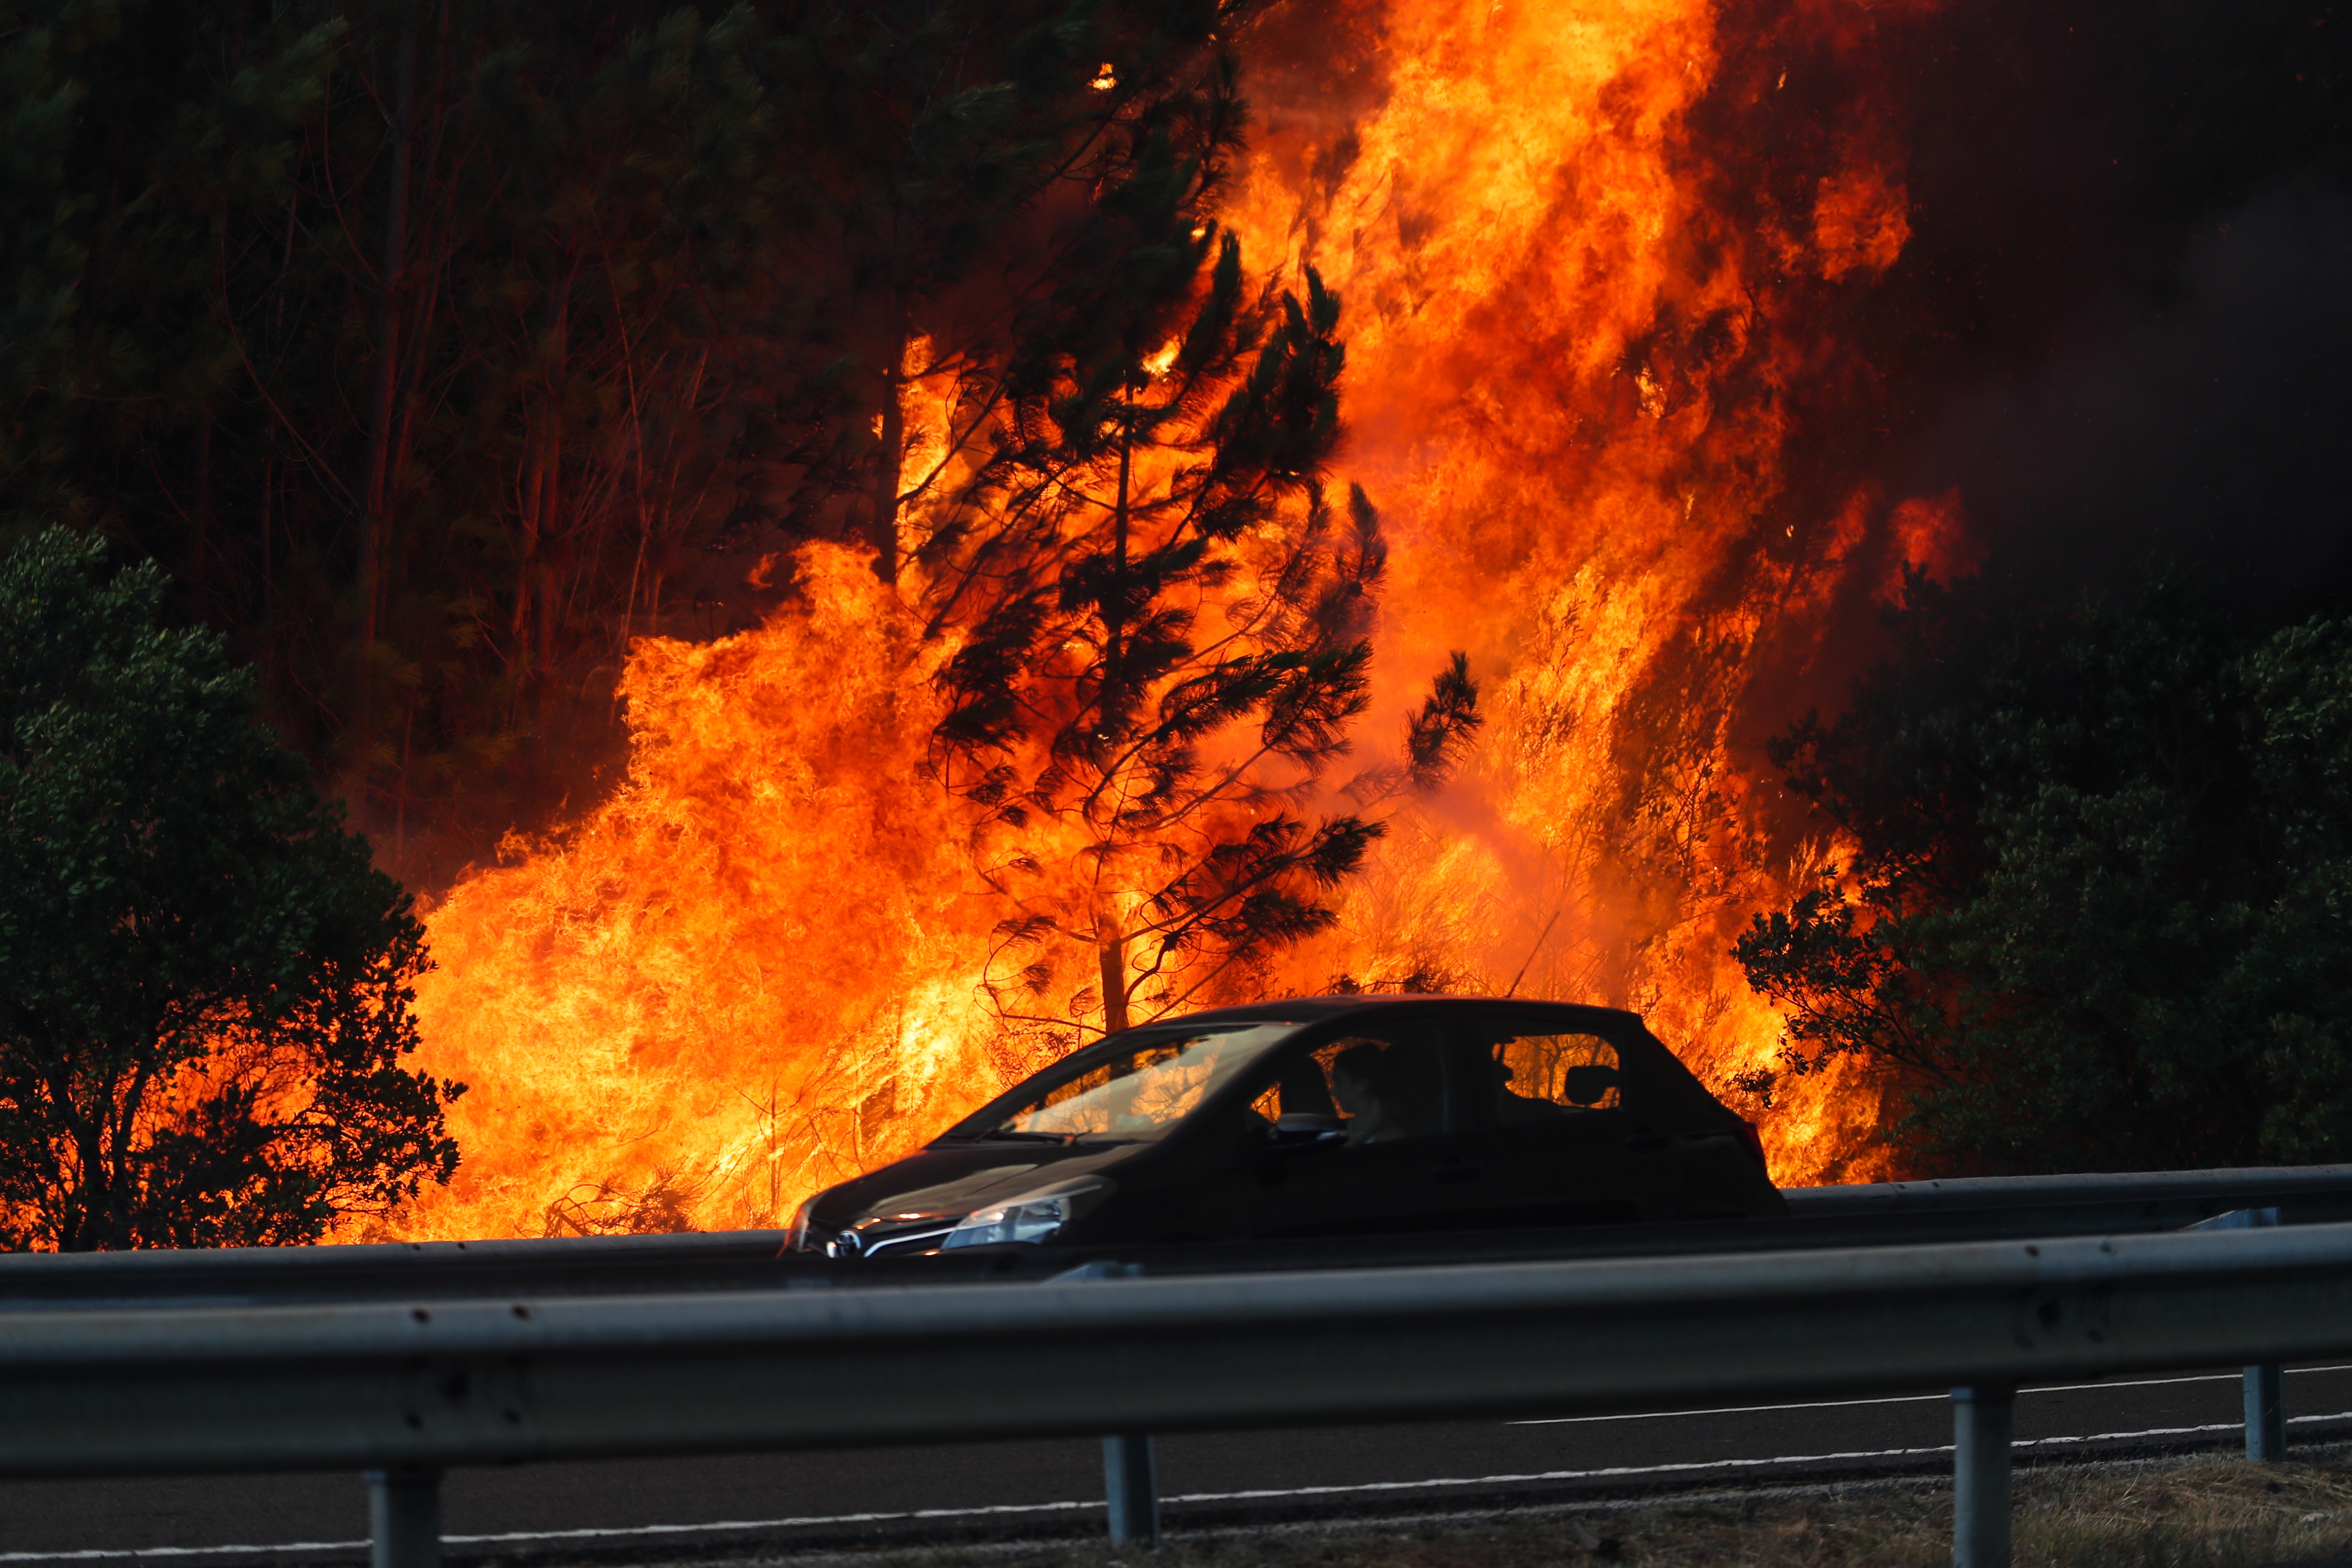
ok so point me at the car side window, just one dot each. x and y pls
(1300, 1088)
(1378, 1088)
(1385, 1087)
(1551, 1077)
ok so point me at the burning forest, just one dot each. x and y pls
(854, 553)
(785, 946)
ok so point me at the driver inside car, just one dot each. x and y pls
(1386, 1092)
(1351, 1086)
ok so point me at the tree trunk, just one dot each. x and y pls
(1113, 954)
(81, 1200)
(1112, 700)
(387, 335)
(550, 490)
(535, 586)
(884, 530)
(120, 1162)
(201, 518)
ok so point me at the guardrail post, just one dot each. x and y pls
(2265, 1407)
(2265, 1415)
(1133, 1483)
(404, 1518)
(2265, 1395)
(1982, 1424)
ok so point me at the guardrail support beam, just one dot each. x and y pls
(1982, 1424)
(1132, 1481)
(2266, 1411)
(404, 1518)
(2265, 1415)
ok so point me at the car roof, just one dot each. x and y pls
(1314, 1009)
(1671, 1087)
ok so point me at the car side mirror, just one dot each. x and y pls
(1304, 1130)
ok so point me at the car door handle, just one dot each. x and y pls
(1647, 1142)
(1456, 1169)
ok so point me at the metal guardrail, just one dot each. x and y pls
(601, 1265)
(2190, 1194)
(402, 1390)
(1889, 1214)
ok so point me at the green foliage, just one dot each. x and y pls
(2094, 914)
(203, 983)
(128, 146)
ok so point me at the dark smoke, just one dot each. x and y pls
(2124, 326)
(2207, 423)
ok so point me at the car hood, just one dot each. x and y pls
(948, 1183)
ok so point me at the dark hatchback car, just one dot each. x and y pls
(1331, 1116)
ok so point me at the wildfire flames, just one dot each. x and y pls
(755, 970)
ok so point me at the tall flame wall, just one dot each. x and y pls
(1575, 381)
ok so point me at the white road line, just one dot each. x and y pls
(98, 1554)
(1606, 1473)
(1724, 1410)
(1895, 1399)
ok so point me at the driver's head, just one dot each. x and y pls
(1355, 1075)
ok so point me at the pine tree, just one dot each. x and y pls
(1167, 624)
(944, 136)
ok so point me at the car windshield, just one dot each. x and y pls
(1141, 1093)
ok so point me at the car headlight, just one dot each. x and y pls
(1033, 1216)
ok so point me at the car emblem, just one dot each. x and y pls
(848, 1244)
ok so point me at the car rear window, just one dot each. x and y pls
(1537, 1076)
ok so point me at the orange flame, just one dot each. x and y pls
(753, 971)
(1563, 398)
(737, 980)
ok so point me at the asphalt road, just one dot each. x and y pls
(641, 1508)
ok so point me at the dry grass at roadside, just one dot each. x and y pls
(2209, 1513)
(2196, 1513)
